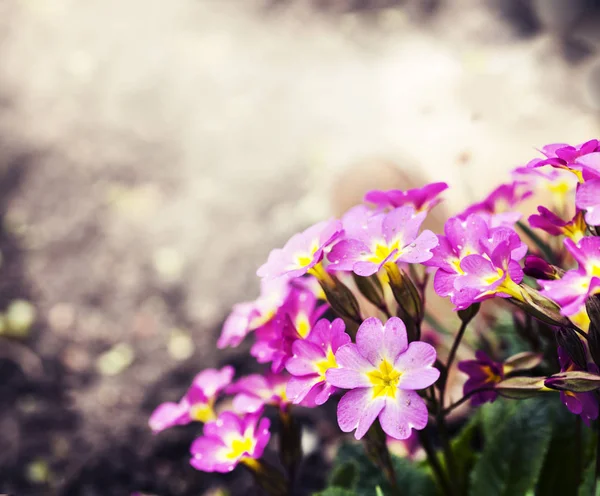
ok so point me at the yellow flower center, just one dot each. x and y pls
(306, 258)
(489, 280)
(381, 250)
(384, 380)
(241, 446)
(202, 412)
(323, 366)
(559, 187)
(302, 324)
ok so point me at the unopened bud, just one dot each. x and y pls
(342, 300)
(408, 298)
(538, 268)
(593, 311)
(371, 289)
(569, 340)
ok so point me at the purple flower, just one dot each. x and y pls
(383, 372)
(554, 225)
(576, 286)
(583, 404)
(484, 278)
(229, 440)
(588, 199)
(468, 270)
(571, 158)
(302, 252)
(497, 208)
(312, 358)
(384, 238)
(294, 320)
(422, 199)
(249, 316)
(255, 391)
(556, 181)
(483, 372)
(197, 404)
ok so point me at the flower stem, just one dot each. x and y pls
(290, 448)
(465, 398)
(267, 477)
(597, 457)
(378, 452)
(436, 466)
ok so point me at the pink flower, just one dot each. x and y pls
(466, 251)
(312, 358)
(229, 440)
(294, 320)
(484, 277)
(197, 404)
(576, 286)
(554, 225)
(422, 199)
(249, 316)
(571, 158)
(302, 252)
(497, 208)
(588, 198)
(255, 391)
(381, 239)
(558, 182)
(383, 371)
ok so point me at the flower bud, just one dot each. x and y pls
(341, 299)
(593, 310)
(570, 341)
(538, 268)
(408, 298)
(371, 289)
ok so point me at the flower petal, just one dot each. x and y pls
(407, 411)
(358, 410)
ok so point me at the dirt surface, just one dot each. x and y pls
(151, 156)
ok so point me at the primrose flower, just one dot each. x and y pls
(386, 238)
(588, 198)
(498, 207)
(294, 320)
(554, 225)
(302, 252)
(229, 440)
(563, 156)
(198, 402)
(249, 316)
(558, 182)
(468, 238)
(422, 199)
(576, 286)
(483, 372)
(383, 372)
(255, 391)
(312, 358)
(583, 404)
(484, 278)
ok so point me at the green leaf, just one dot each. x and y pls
(514, 447)
(563, 464)
(336, 491)
(344, 475)
(464, 453)
(413, 479)
(587, 486)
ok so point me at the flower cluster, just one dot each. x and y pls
(342, 311)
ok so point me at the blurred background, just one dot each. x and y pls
(152, 153)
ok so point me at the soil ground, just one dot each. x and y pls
(150, 157)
